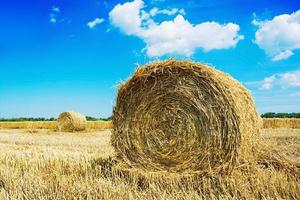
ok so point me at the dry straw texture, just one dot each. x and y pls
(99, 125)
(28, 125)
(91, 125)
(51, 165)
(182, 116)
(71, 121)
(282, 123)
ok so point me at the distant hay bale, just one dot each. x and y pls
(71, 121)
(182, 116)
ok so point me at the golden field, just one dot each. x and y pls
(43, 164)
(281, 123)
(100, 125)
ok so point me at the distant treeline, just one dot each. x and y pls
(21, 119)
(89, 118)
(98, 119)
(280, 115)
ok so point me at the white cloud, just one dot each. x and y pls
(172, 11)
(283, 55)
(181, 37)
(127, 16)
(181, 11)
(155, 11)
(177, 36)
(283, 80)
(54, 14)
(280, 36)
(55, 9)
(96, 21)
(290, 78)
(53, 18)
(267, 83)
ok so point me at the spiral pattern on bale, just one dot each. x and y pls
(182, 116)
(71, 121)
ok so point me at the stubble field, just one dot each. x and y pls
(43, 164)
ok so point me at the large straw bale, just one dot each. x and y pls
(182, 116)
(71, 121)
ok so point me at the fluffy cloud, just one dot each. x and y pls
(284, 80)
(127, 16)
(181, 37)
(280, 36)
(177, 36)
(96, 21)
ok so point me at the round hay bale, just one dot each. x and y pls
(182, 116)
(71, 121)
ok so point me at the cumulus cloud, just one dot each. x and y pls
(177, 36)
(280, 36)
(181, 37)
(283, 80)
(127, 16)
(96, 21)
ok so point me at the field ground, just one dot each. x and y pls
(41, 164)
(100, 125)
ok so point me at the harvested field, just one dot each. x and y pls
(100, 125)
(28, 125)
(281, 123)
(55, 165)
(96, 125)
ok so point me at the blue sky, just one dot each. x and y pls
(70, 55)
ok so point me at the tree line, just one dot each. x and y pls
(89, 118)
(21, 119)
(280, 115)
